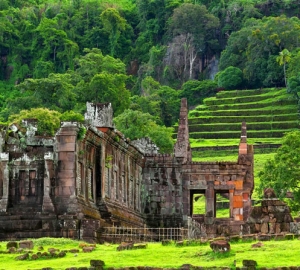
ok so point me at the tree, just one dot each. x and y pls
(230, 78)
(102, 79)
(161, 101)
(293, 86)
(54, 92)
(105, 87)
(113, 23)
(58, 47)
(149, 86)
(152, 25)
(192, 30)
(48, 120)
(252, 49)
(293, 68)
(169, 105)
(282, 173)
(283, 58)
(195, 91)
(136, 125)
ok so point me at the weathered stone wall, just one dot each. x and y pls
(109, 177)
(163, 196)
(73, 185)
(172, 180)
(68, 185)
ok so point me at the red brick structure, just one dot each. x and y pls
(90, 176)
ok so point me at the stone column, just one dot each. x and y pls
(210, 202)
(66, 171)
(47, 202)
(4, 158)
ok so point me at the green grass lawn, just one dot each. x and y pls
(271, 254)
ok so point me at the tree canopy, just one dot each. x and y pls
(282, 173)
(255, 48)
(142, 54)
(135, 124)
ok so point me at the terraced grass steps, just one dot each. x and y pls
(272, 110)
(250, 105)
(251, 92)
(269, 115)
(252, 126)
(246, 96)
(240, 118)
(230, 134)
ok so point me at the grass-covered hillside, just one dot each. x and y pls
(215, 126)
(269, 114)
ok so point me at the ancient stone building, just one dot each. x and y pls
(90, 176)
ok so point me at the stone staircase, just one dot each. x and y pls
(27, 221)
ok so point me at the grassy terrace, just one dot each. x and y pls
(268, 113)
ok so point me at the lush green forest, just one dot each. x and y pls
(141, 55)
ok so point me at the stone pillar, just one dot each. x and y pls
(182, 148)
(47, 202)
(66, 172)
(210, 202)
(231, 202)
(4, 158)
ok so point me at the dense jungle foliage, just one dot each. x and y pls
(142, 55)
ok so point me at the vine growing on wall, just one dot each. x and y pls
(108, 160)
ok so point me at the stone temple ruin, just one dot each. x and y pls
(88, 177)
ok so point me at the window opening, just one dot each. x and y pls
(222, 204)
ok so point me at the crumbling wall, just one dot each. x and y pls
(272, 217)
(172, 180)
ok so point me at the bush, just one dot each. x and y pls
(196, 91)
(230, 78)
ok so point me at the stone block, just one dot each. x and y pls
(211, 230)
(27, 244)
(238, 184)
(22, 257)
(248, 263)
(285, 227)
(264, 228)
(13, 244)
(66, 156)
(97, 263)
(272, 202)
(220, 246)
(245, 196)
(238, 217)
(237, 204)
